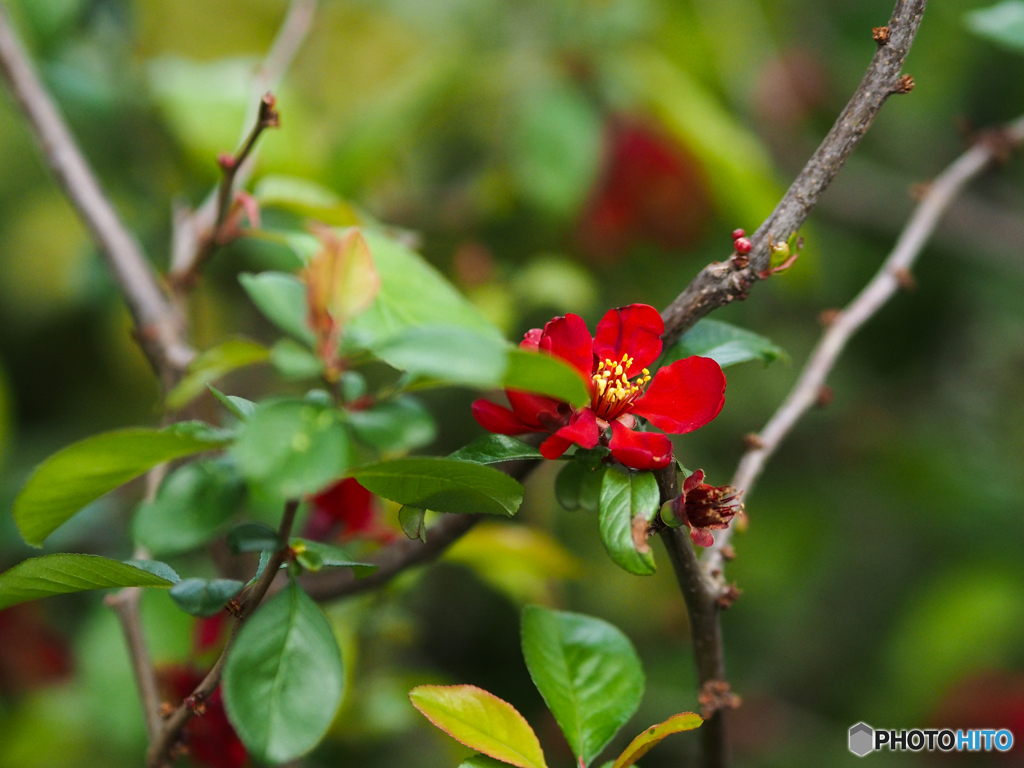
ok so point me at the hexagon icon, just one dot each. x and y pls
(862, 738)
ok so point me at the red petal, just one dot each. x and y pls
(635, 331)
(568, 338)
(496, 418)
(539, 412)
(693, 481)
(701, 537)
(640, 450)
(348, 503)
(581, 429)
(684, 396)
(531, 339)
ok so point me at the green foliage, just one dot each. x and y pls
(394, 426)
(84, 471)
(294, 362)
(305, 198)
(588, 673)
(625, 497)
(1002, 23)
(724, 343)
(204, 597)
(59, 574)
(545, 375)
(239, 407)
(282, 300)
(252, 537)
(330, 556)
(651, 737)
(492, 449)
(447, 353)
(414, 522)
(481, 721)
(481, 761)
(192, 505)
(443, 485)
(211, 365)
(292, 447)
(283, 678)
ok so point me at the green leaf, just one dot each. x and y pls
(239, 407)
(283, 679)
(204, 597)
(625, 498)
(292, 446)
(588, 673)
(211, 365)
(642, 744)
(447, 353)
(590, 489)
(482, 761)
(412, 293)
(444, 485)
(305, 198)
(1002, 23)
(492, 449)
(394, 426)
(282, 300)
(252, 537)
(84, 471)
(414, 522)
(725, 344)
(193, 504)
(334, 557)
(545, 375)
(481, 721)
(569, 485)
(59, 574)
(294, 362)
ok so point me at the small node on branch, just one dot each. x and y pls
(919, 191)
(226, 161)
(728, 553)
(166, 709)
(752, 441)
(715, 695)
(729, 595)
(269, 116)
(825, 396)
(197, 703)
(881, 35)
(999, 142)
(904, 85)
(904, 278)
(234, 607)
(829, 316)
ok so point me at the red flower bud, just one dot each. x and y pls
(742, 244)
(738, 233)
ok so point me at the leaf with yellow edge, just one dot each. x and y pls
(341, 278)
(481, 721)
(642, 744)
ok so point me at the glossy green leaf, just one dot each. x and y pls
(283, 679)
(628, 502)
(331, 556)
(157, 568)
(292, 446)
(414, 522)
(192, 505)
(724, 343)
(294, 362)
(239, 407)
(84, 471)
(252, 537)
(590, 489)
(482, 761)
(394, 426)
(412, 293)
(282, 300)
(59, 574)
(1002, 23)
(446, 353)
(588, 673)
(211, 365)
(569, 484)
(444, 485)
(305, 198)
(546, 375)
(204, 597)
(481, 721)
(642, 744)
(492, 449)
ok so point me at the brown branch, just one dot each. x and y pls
(158, 327)
(721, 283)
(160, 747)
(125, 604)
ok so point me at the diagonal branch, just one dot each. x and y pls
(158, 327)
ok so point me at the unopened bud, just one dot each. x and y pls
(226, 161)
(742, 245)
(737, 234)
(780, 251)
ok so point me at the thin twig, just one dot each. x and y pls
(192, 230)
(886, 282)
(125, 604)
(721, 283)
(168, 736)
(158, 326)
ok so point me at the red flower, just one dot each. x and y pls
(210, 739)
(683, 396)
(705, 508)
(345, 510)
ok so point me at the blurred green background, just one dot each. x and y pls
(553, 156)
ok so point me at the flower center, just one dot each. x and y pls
(613, 391)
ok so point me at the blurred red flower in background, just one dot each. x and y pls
(32, 652)
(682, 397)
(345, 511)
(209, 737)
